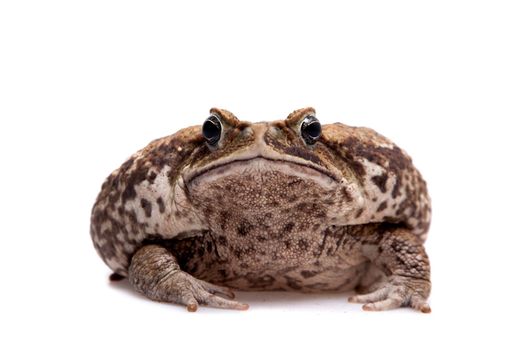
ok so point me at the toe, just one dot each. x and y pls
(189, 301)
(192, 307)
(420, 304)
(214, 289)
(219, 302)
(377, 295)
(387, 304)
(425, 309)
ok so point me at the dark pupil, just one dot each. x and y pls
(313, 129)
(211, 129)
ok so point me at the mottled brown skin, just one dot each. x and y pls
(262, 209)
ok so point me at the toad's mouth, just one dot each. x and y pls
(261, 164)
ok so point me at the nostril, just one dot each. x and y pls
(246, 131)
(274, 131)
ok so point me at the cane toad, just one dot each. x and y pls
(283, 205)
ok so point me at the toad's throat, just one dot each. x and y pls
(262, 164)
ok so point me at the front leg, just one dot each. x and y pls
(402, 257)
(154, 272)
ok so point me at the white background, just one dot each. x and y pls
(85, 84)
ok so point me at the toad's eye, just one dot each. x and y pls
(310, 129)
(212, 129)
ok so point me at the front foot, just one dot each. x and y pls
(396, 291)
(182, 288)
(155, 273)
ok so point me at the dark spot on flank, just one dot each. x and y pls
(358, 213)
(224, 219)
(129, 192)
(391, 219)
(381, 207)
(222, 240)
(260, 281)
(380, 181)
(160, 203)
(151, 177)
(146, 205)
(357, 167)
(308, 274)
(244, 229)
(303, 244)
(396, 190)
(292, 283)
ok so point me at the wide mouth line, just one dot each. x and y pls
(310, 166)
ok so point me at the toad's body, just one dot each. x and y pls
(267, 206)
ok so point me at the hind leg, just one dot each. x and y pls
(401, 256)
